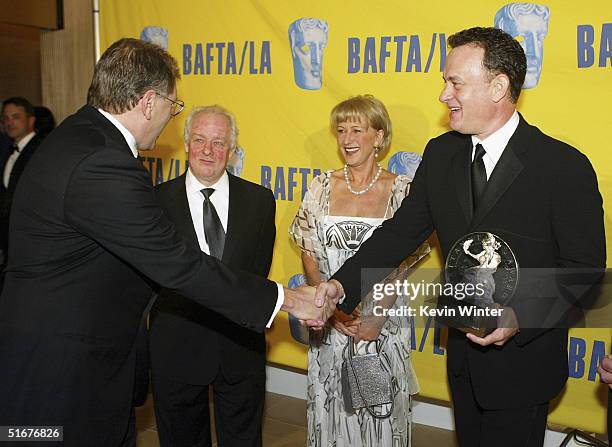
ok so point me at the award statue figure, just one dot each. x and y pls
(489, 259)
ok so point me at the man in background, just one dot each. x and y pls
(19, 122)
(193, 348)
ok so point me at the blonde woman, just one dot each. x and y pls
(339, 212)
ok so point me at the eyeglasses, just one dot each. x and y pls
(177, 106)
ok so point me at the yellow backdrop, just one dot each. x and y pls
(239, 53)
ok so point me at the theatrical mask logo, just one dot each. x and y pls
(298, 331)
(528, 23)
(308, 39)
(404, 163)
(156, 35)
(236, 162)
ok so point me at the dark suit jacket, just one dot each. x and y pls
(189, 343)
(87, 240)
(6, 194)
(542, 199)
(610, 416)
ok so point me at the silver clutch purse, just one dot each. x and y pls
(365, 382)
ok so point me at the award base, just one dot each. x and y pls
(466, 315)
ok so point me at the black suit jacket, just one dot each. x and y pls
(610, 416)
(87, 240)
(542, 199)
(6, 194)
(189, 343)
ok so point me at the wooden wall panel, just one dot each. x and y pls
(46, 14)
(20, 68)
(67, 60)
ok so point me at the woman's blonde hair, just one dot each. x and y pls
(364, 107)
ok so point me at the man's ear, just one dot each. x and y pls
(147, 102)
(31, 122)
(500, 86)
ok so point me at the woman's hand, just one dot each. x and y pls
(344, 323)
(370, 328)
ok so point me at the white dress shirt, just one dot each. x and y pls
(221, 203)
(495, 143)
(10, 162)
(220, 200)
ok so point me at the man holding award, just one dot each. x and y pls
(530, 204)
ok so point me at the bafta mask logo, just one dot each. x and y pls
(156, 35)
(308, 39)
(236, 162)
(405, 163)
(298, 331)
(528, 23)
(296, 281)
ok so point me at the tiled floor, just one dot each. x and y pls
(285, 426)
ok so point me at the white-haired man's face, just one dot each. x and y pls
(209, 147)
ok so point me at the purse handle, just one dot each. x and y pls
(351, 346)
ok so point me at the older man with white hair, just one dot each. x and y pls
(193, 348)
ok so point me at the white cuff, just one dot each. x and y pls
(279, 303)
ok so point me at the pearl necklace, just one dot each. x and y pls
(367, 188)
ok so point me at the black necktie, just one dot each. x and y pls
(479, 176)
(215, 236)
(14, 148)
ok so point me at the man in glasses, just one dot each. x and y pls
(87, 245)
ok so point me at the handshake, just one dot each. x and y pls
(313, 305)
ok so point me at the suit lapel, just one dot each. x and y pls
(506, 171)
(461, 179)
(233, 217)
(184, 221)
(3, 159)
(22, 159)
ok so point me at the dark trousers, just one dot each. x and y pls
(478, 427)
(183, 417)
(129, 439)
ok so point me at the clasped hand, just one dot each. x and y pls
(350, 325)
(313, 306)
(309, 306)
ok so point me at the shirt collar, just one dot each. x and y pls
(129, 138)
(25, 140)
(221, 186)
(495, 143)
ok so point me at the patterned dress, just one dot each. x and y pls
(331, 240)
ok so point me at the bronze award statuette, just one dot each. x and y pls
(483, 273)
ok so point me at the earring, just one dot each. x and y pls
(376, 149)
